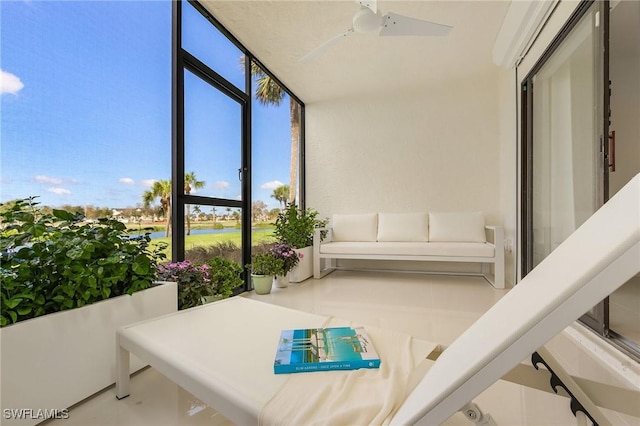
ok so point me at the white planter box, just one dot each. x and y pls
(304, 268)
(57, 360)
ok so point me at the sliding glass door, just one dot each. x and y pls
(566, 105)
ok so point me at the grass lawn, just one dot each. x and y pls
(191, 241)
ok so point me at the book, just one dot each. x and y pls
(324, 349)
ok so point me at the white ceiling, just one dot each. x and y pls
(280, 32)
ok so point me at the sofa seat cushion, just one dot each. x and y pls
(408, 249)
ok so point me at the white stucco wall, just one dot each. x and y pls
(428, 150)
(509, 169)
(435, 149)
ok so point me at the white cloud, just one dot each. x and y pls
(10, 83)
(148, 182)
(271, 185)
(47, 179)
(127, 181)
(221, 184)
(59, 191)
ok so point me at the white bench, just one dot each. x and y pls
(434, 236)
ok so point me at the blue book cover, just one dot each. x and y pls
(324, 349)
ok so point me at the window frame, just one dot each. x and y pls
(181, 61)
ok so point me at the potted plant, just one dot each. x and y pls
(68, 284)
(226, 276)
(194, 282)
(296, 226)
(290, 258)
(264, 266)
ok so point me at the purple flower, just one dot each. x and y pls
(184, 272)
(287, 253)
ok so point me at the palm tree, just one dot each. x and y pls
(281, 194)
(236, 216)
(160, 189)
(191, 182)
(269, 92)
(197, 211)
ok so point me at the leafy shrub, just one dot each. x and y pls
(194, 281)
(202, 254)
(218, 225)
(296, 227)
(51, 262)
(266, 264)
(226, 276)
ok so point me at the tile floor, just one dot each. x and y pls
(432, 307)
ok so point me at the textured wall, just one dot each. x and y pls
(431, 149)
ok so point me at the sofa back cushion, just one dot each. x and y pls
(465, 227)
(355, 227)
(403, 227)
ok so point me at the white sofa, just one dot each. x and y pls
(432, 236)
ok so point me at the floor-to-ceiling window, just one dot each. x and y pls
(86, 94)
(211, 139)
(276, 151)
(237, 147)
(86, 110)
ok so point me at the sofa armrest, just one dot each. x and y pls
(498, 244)
(497, 234)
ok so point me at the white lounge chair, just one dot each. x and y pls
(223, 352)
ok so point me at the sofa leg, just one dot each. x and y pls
(318, 271)
(497, 278)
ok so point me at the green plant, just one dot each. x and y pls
(266, 264)
(194, 281)
(295, 226)
(55, 261)
(225, 276)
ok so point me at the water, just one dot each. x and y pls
(160, 234)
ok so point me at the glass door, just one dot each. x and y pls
(565, 148)
(213, 141)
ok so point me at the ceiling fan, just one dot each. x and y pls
(369, 20)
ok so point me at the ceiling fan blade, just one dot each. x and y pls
(399, 25)
(371, 4)
(325, 45)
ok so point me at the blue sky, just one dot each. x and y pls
(86, 107)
